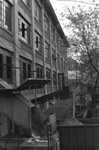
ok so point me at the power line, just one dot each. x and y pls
(78, 2)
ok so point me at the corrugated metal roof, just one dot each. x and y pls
(33, 84)
(5, 86)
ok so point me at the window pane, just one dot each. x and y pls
(7, 15)
(8, 63)
(24, 30)
(24, 71)
(1, 66)
(39, 71)
(29, 70)
(0, 12)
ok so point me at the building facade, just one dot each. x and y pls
(32, 43)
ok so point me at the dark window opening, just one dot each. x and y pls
(1, 66)
(23, 29)
(24, 70)
(8, 63)
(29, 71)
(39, 72)
(5, 14)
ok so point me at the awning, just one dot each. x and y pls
(5, 86)
(33, 83)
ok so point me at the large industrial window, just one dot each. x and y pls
(25, 69)
(9, 67)
(39, 71)
(54, 78)
(47, 50)
(37, 11)
(5, 14)
(58, 61)
(52, 35)
(48, 76)
(29, 71)
(38, 42)
(46, 24)
(24, 30)
(48, 73)
(1, 66)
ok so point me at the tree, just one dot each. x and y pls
(84, 24)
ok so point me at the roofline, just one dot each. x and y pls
(56, 21)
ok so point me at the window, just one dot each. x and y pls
(39, 71)
(61, 64)
(5, 14)
(57, 41)
(8, 69)
(26, 2)
(37, 11)
(29, 71)
(24, 70)
(47, 50)
(53, 56)
(48, 76)
(24, 30)
(46, 24)
(38, 42)
(52, 35)
(1, 66)
(48, 73)
(58, 61)
(54, 78)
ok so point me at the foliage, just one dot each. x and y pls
(84, 39)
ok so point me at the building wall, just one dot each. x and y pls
(34, 41)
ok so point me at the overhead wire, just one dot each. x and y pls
(79, 2)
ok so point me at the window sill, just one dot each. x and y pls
(38, 20)
(10, 32)
(37, 51)
(47, 32)
(25, 43)
(26, 6)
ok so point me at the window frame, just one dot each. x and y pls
(52, 35)
(46, 23)
(24, 29)
(1, 65)
(8, 67)
(48, 73)
(39, 73)
(38, 42)
(37, 11)
(47, 50)
(54, 78)
(4, 22)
